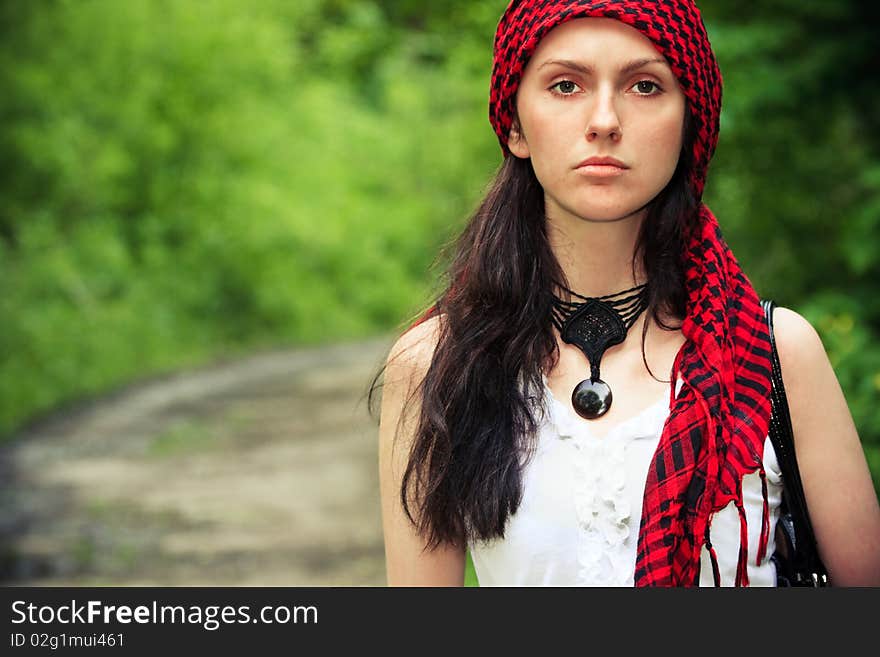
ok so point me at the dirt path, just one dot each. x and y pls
(254, 473)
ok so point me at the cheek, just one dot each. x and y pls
(665, 140)
(547, 122)
(540, 127)
(547, 134)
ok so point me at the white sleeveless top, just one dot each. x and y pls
(578, 522)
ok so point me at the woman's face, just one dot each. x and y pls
(596, 87)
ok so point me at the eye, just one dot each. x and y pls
(565, 87)
(645, 86)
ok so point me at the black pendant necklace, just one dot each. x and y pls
(594, 325)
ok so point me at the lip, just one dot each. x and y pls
(602, 161)
(601, 167)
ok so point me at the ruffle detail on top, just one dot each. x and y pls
(600, 497)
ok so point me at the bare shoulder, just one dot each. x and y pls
(797, 341)
(405, 368)
(410, 356)
(807, 374)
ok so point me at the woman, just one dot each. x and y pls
(521, 417)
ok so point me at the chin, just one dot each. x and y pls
(606, 214)
(596, 207)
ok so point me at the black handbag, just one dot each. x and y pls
(796, 556)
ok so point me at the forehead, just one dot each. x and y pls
(602, 40)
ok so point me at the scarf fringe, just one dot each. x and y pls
(765, 521)
(742, 574)
(716, 573)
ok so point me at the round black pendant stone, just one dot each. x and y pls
(591, 399)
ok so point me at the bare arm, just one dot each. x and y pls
(840, 495)
(406, 563)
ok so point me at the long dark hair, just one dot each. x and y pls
(477, 425)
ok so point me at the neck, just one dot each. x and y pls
(596, 256)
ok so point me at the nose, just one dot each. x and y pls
(603, 121)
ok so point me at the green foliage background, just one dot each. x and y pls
(184, 181)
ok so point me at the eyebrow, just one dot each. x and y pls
(586, 69)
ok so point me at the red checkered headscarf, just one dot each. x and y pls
(716, 429)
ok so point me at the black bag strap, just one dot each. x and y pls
(782, 438)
